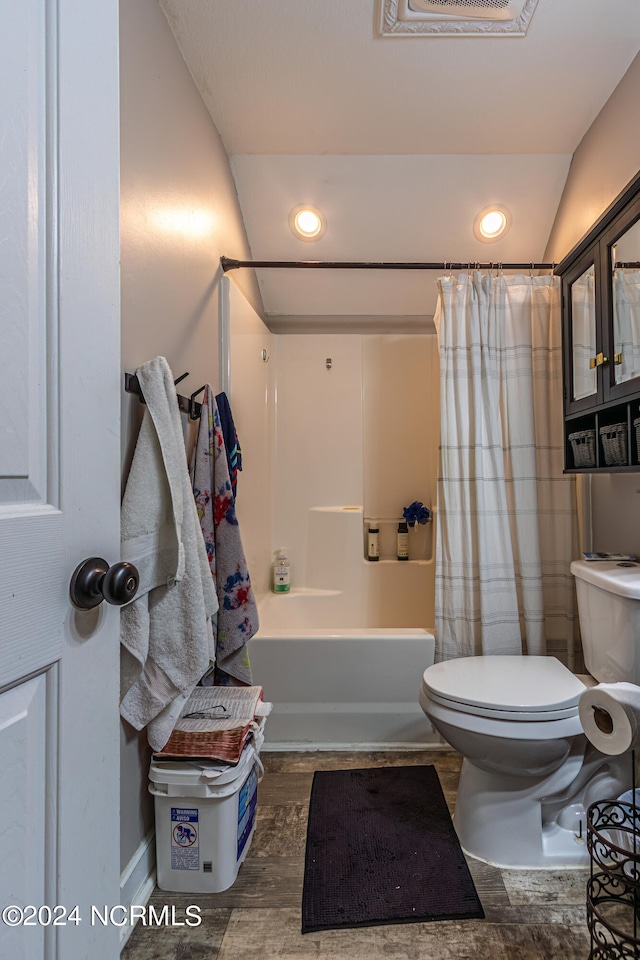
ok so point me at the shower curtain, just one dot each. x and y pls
(626, 322)
(506, 515)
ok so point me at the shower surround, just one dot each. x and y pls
(336, 430)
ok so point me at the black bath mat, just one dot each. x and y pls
(381, 848)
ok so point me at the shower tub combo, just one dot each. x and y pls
(334, 683)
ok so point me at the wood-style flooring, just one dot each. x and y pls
(530, 914)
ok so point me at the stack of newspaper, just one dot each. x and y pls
(216, 723)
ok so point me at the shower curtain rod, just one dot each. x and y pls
(229, 264)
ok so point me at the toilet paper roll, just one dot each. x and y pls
(610, 716)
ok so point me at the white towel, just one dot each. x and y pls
(166, 631)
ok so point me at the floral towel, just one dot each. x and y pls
(237, 618)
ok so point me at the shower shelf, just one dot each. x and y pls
(420, 539)
(395, 520)
(414, 560)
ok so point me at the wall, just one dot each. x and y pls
(605, 161)
(362, 433)
(319, 436)
(179, 214)
(401, 425)
(401, 432)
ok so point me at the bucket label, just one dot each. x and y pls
(247, 804)
(185, 848)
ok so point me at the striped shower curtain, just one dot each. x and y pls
(506, 515)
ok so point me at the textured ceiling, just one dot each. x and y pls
(400, 141)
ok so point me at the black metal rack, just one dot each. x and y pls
(187, 404)
(613, 890)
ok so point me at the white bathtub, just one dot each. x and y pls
(338, 687)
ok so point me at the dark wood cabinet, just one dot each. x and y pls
(601, 341)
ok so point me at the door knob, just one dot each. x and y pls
(94, 581)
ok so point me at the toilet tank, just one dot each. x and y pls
(609, 611)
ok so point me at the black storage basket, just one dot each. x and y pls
(583, 445)
(636, 427)
(614, 444)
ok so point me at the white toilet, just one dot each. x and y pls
(529, 773)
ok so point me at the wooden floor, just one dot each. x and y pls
(530, 914)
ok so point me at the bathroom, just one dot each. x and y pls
(304, 461)
(319, 388)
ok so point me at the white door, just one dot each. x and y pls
(59, 475)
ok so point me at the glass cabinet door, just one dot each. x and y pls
(625, 289)
(583, 335)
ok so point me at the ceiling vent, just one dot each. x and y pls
(465, 9)
(456, 18)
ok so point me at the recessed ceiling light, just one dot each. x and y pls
(492, 223)
(306, 223)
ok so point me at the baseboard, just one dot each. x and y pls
(138, 880)
(297, 746)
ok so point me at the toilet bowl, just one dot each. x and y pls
(528, 773)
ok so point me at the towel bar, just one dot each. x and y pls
(186, 404)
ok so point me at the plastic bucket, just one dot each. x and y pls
(205, 818)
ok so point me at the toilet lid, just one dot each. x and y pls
(515, 685)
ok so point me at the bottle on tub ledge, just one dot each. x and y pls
(281, 573)
(403, 541)
(373, 543)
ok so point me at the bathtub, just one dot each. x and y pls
(338, 688)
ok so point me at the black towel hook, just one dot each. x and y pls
(193, 413)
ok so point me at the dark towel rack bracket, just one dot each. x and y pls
(186, 404)
(195, 408)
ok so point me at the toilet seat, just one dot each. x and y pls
(527, 689)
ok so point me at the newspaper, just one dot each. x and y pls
(221, 708)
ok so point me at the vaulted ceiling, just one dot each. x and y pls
(399, 141)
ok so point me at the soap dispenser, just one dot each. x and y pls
(281, 573)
